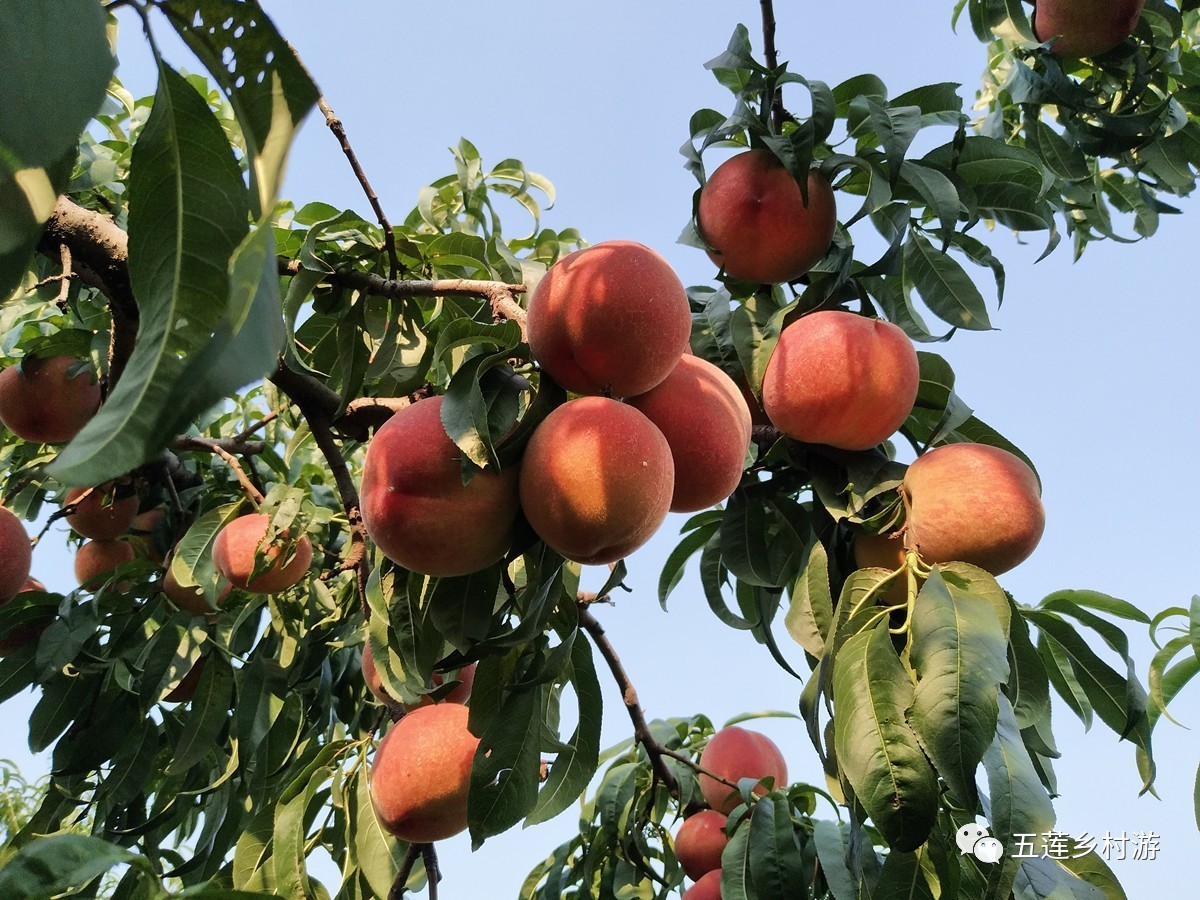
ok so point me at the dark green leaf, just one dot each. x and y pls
(207, 717)
(504, 776)
(53, 865)
(944, 286)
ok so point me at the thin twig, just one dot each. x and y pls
(433, 874)
(501, 296)
(772, 56)
(68, 509)
(217, 447)
(259, 425)
(641, 730)
(410, 860)
(389, 237)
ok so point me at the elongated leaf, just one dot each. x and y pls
(188, 211)
(903, 878)
(944, 285)
(576, 764)
(744, 540)
(776, 866)
(832, 852)
(811, 611)
(1019, 802)
(51, 866)
(209, 712)
(504, 776)
(266, 84)
(692, 543)
(876, 750)
(959, 652)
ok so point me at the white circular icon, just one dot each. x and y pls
(974, 838)
(968, 835)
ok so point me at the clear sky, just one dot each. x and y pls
(1092, 371)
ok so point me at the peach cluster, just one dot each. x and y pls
(655, 430)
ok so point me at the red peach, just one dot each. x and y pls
(735, 753)
(43, 403)
(237, 547)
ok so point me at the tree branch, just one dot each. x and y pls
(222, 449)
(641, 730)
(389, 237)
(501, 296)
(772, 57)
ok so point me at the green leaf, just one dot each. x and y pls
(26, 202)
(744, 540)
(1019, 802)
(832, 853)
(776, 866)
(811, 610)
(1064, 601)
(267, 85)
(504, 776)
(208, 715)
(59, 65)
(735, 866)
(1028, 683)
(944, 285)
(1194, 624)
(959, 651)
(288, 835)
(188, 212)
(53, 865)
(461, 608)
(63, 699)
(903, 878)
(575, 765)
(878, 753)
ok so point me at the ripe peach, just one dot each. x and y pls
(700, 842)
(421, 774)
(736, 753)
(417, 509)
(148, 536)
(104, 514)
(460, 693)
(26, 632)
(96, 560)
(702, 414)
(16, 554)
(753, 214)
(975, 504)
(596, 480)
(707, 888)
(191, 599)
(237, 546)
(612, 319)
(43, 403)
(1085, 27)
(841, 379)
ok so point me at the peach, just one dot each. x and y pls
(735, 753)
(43, 403)
(700, 842)
(1085, 27)
(191, 598)
(841, 379)
(704, 417)
(25, 632)
(596, 480)
(104, 514)
(422, 772)
(148, 535)
(16, 554)
(753, 214)
(610, 319)
(236, 549)
(707, 888)
(975, 504)
(95, 561)
(417, 509)
(460, 693)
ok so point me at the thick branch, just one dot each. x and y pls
(641, 730)
(100, 251)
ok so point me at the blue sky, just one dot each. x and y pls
(1091, 371)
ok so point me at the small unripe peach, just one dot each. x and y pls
(236, 549)
(753, 214)
(612, 318)
(596, 480)
(735, 753)
(44, 403)
(422, 772)
(707, 888)
(414, 503)
(841, 379)
(95, 561)
(700, 842)
(16, 554)
(104, 514)
(702, 414)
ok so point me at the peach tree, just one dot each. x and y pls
(220, 355)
